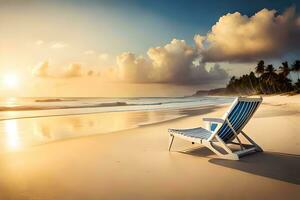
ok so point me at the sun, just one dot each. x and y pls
(10, 81)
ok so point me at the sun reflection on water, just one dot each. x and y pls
(19, 134)
(12, 135)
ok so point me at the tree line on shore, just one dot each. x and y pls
(266, 80)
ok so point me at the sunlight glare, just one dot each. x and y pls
(12, 135)
(10, 81)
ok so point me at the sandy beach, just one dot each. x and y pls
(136, 164)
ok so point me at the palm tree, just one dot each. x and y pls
(259, 70)
(296, 67)
(271, 76)
(231, 84)
(252, 77)
(284, 69)
(283, 82)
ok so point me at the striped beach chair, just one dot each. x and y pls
(220, 132)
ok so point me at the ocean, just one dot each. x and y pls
(36, 121)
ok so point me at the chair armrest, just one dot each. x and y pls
(214, 120)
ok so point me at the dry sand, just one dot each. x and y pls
(135, 164)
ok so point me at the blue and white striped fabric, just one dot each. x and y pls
(238, 117)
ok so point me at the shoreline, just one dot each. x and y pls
(110, 107)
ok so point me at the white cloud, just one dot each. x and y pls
(172, 63)
(41, 70)
(199, 40)
(73, 70)
(103, 56)
(132, 69)
(240, 38)
(44, 70)
(58, 45)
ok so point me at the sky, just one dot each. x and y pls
(139, 48)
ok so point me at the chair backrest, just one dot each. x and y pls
(240, 112)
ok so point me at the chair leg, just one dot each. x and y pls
(229, 156)
(257, 147)
(171, 139)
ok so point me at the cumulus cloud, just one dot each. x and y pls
(73, 70)
(239, 38)
(199, 40)
(41, 70)
(172, 63)
(217, 73)
(133, 69)
(44, 70)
